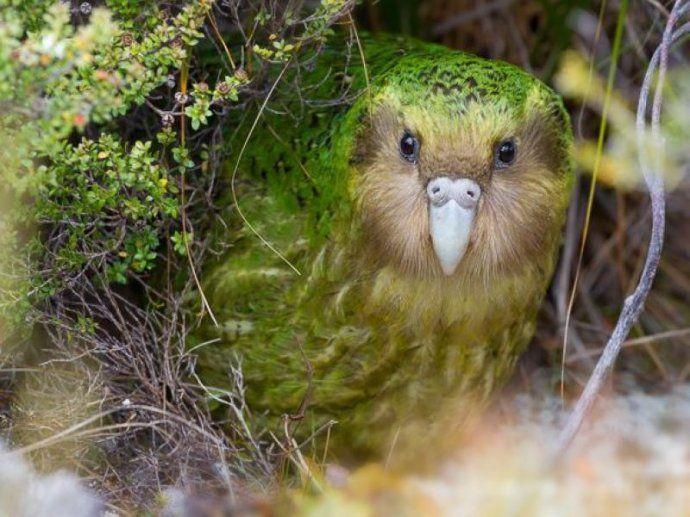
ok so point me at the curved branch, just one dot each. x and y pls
(634, 304)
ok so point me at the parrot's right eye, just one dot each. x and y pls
(409, 147)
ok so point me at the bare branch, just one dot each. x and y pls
(634, 304)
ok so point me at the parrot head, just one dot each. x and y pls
(460, 166)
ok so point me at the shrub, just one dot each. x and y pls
(111, 117)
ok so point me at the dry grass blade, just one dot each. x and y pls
(595, 173)
(233, 180)
(71, 432)
(184, 76)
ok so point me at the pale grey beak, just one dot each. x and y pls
(452, 207)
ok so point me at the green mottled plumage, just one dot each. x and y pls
(367, 336)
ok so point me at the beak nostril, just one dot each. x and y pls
(464, 191)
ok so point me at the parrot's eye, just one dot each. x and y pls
(505, 154)
(409, 147)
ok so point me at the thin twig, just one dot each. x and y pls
(364, 64)
(640, 341)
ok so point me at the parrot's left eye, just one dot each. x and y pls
(409, 147)
(505, 154)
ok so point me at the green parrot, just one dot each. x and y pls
(392, 224)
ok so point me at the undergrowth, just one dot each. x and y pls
(113, 115)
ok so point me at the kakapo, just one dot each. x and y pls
(393, 232)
